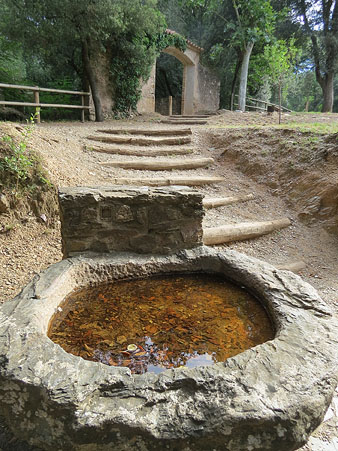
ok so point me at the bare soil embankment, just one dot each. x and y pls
(301, 167)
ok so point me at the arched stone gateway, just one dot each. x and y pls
(200, 87)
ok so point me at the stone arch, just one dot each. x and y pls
(198, 84)
(184, 58)
(190, 60)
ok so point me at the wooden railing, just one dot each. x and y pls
(264, 104)
(36, 91)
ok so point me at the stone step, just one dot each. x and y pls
(214, 202)
(242, 231)
(165, 181)
(183, 122)
(160, 164)
(141, 151)
(135, 131)
(188, 116)
(141, 141)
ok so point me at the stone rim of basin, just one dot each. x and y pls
(271, 396)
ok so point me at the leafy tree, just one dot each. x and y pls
(320, 22)
(12, 64)
(255, 21)
(111, 44)
(234, 27)
(278, 57)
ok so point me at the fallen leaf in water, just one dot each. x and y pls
(88, 333)
(171, 312)
(111, 362)
(151, 329)
(102, 298)
(89, 326)
(140, 354)
(88, 348)
(121, 339)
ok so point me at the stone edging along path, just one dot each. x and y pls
(271, 396)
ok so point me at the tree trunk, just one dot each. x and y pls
(328, 95)
(234, 80)
(92, 81)
(280, 101)
(244, 76)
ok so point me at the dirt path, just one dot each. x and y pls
(31, 245)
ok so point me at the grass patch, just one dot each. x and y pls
(23, 180)
(312, 127)
(21, 169)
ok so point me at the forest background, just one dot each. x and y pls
(254, 46)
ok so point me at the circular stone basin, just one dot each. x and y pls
(150, 325)
(269, 397)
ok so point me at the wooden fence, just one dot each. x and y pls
(258, 105)
(36, 91)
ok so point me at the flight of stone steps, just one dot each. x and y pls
(170, 154)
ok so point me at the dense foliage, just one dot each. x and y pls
(215, 25)
(111, 45)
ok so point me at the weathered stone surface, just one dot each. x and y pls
(4, 204)
(269, 397)
(129, 219)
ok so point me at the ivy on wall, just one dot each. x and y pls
(165, 40)
(132, 65)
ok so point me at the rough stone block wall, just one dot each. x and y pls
(177, 103)
(124, 219)
(146, 103)
(162, 105)
(208, 91)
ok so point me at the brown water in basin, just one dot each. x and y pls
(161, 322)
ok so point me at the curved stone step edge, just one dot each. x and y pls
(215, 202)
(141, 141)
(140, 132)
(143, 152)
(160, 164)
(188, 116)
(184, 122)
(167, 181)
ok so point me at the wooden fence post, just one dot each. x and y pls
(37, 109)
(232, 102)
(83, 110)
(170, 105)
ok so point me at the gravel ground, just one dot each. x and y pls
(31, 245)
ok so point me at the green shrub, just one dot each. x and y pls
(20, 168)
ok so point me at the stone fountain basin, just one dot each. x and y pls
(269, 397)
